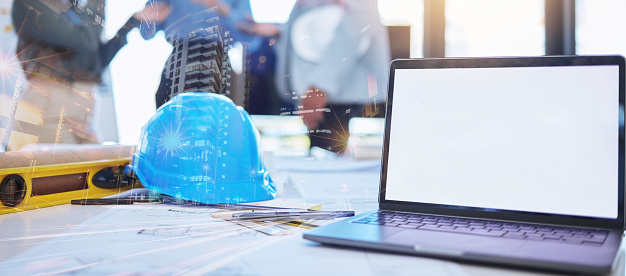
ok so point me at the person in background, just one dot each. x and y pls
(62, 55)
(263, 98)
(331, 69)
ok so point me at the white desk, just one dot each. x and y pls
(161, 239)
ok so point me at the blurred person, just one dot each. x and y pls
(62, 55)
(263, 97)
(332, 60)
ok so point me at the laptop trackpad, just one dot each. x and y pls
(453, 243)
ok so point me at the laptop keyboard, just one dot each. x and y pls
(486, 227)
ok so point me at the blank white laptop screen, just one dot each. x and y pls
(535, 139)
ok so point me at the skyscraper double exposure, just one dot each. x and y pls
(199, 60)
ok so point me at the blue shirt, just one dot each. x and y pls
(240, 11)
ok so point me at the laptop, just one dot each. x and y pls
(508, 161)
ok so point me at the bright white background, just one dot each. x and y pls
(135, 71)
(600, 27)
(529, 139)
(495, 28)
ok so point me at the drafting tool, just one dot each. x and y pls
(291, 214)
(112, 201)
(279, 203)
(274, 226)
(57, 175)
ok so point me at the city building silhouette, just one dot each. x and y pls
(199, 60)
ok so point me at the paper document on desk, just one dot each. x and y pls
(304, 258)
(151, 239)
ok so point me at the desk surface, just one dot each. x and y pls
(160, 239)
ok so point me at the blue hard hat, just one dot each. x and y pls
(201, 147)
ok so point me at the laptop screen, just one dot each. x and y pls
(533, 139)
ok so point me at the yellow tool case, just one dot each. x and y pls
(56, 175)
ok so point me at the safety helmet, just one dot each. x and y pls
(199, 146)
